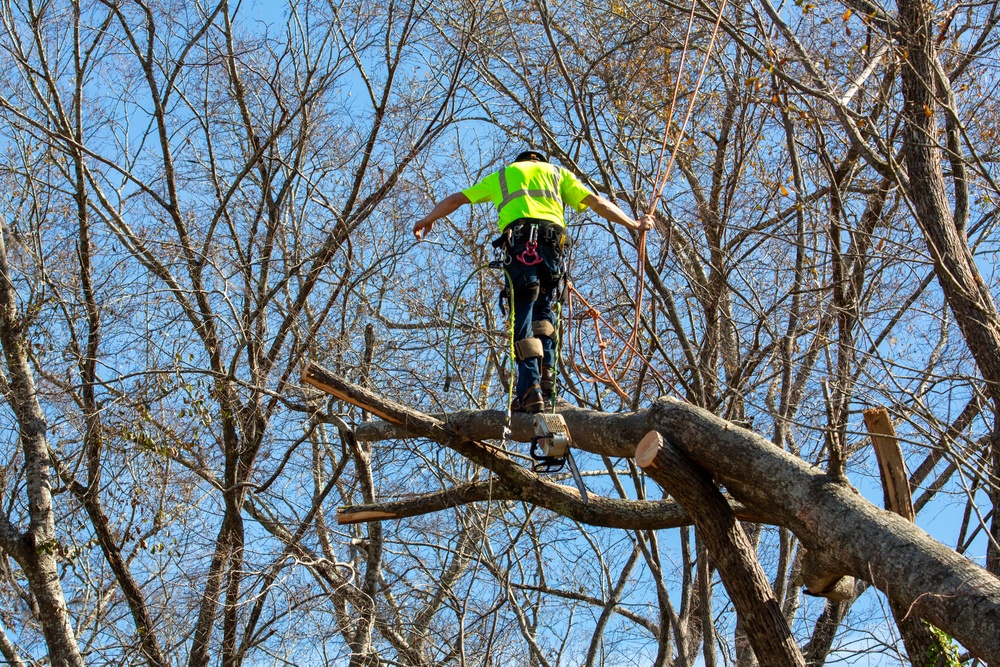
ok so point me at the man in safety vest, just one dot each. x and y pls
(530, 196)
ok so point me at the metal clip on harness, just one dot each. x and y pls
(530, 255)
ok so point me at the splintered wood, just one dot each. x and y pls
(895, 480)
(319, 377)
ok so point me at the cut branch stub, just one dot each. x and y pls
(895, 480)
(647, 449)
(348, 515)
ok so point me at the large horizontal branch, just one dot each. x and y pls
(602, 433)
(608, 512)
(932, 581)
(892, 554)
(514, 479)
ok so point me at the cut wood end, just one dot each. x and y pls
(648, 448)
(346, 515)
(878, 421)
(839, 591)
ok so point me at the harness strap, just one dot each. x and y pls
(519, 233)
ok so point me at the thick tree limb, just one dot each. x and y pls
(730, 548)
(608, 512)
(600, 433)
(35, 550)
(515, 478)
(933, 581)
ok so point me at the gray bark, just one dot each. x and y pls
(732, 552)
(933, 581)
(34, 550)
(954, 265)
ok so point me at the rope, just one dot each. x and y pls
(630, 345)
(607, 377)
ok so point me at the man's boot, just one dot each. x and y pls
(531, 401)
(548, 382)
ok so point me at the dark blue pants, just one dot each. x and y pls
(546, 276)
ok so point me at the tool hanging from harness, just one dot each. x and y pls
(551, 449)
(551, 443)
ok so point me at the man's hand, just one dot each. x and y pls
(422, 228)
(446, 206)
(612, 213)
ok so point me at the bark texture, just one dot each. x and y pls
(925, 86)
(35, 550)
(931, 580)
(911, 568)
(732, 553)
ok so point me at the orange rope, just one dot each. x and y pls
(658, 185)
(660, 181)
(607, 377)
(670, 114)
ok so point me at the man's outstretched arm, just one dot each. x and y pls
(446, 206)
(612, 213)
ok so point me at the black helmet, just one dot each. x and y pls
(524, 156)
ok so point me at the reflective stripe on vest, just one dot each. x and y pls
(508, 197)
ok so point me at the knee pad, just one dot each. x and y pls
(528, 348)
(543, 328)
(527, 291)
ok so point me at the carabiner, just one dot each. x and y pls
(530, 257)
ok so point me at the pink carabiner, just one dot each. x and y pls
(529, 257)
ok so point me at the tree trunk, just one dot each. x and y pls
(931, 580)
(730, 548)
(35, 550)
(954, 265)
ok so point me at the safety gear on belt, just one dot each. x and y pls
(527, 291)
(530, 255)
(528, 348)
(545, 233)
(543, 328)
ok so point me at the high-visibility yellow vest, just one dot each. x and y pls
(530, 190)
